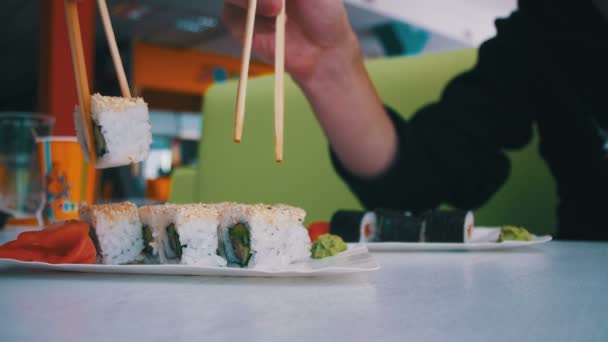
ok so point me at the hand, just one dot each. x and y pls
(323, 57)
(316, 30)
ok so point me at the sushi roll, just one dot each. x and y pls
(449, 226)
(395, 226)
(190, 236)
(116, 231)
(155, 219)
(121, 129)
(380, 225)
(349, 225)
(263, 236)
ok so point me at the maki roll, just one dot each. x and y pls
(381, 225)
(349, 225)
(262, 236)
(449, 226)
(155, 219)
(121, 129)
(396, 226)
(116, 231)
(189, 236)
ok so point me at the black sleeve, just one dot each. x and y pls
(453, 151)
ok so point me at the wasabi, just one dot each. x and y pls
(327, 245)
(512, 233)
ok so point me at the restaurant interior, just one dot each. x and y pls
(159, 181)
(180, 58)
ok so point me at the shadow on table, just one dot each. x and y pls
(514, 250)
(8, 274)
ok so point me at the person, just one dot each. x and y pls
(547, 67)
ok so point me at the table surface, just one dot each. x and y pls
(554, 292)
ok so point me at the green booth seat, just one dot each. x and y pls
(247, 172)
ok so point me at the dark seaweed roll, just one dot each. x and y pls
(397, 226)
(448, 226)
(347, 225)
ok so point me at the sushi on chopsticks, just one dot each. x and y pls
(112, 131)
(263, 236)
(121, 130)
(116, 231)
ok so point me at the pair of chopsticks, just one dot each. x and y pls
(279, 85)
(78, 60)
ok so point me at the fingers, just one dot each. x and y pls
(263, 39)
(235, 17)
(266, 8)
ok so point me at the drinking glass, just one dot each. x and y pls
(21, 185)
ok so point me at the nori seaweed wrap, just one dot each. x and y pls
(397, 226)
(347, 224)
(448, 226)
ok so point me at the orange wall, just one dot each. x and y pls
(185, 71)
(57, 85)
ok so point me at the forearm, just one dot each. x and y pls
(350, 111)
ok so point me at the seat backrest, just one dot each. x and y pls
(247, 172)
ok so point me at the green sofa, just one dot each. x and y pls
(247, 172)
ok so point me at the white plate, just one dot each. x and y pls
(356, 259)
(483, 239)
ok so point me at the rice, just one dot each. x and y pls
(116, 230)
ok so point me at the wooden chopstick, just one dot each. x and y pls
(80, 72)
(111, 38)
(246, 58)
(279, 83)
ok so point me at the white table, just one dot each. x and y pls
(556, 292)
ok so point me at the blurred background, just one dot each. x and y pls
(175, 50)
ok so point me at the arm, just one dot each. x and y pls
(453, 151)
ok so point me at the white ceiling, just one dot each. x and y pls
(467, 21)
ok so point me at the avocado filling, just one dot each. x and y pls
(174, 243)
(240, 240)
(147, 237)
(100, 141)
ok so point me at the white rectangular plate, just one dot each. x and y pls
(483, 239)
(356, 259)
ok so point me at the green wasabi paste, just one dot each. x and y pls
(327, 245)
(512, 233)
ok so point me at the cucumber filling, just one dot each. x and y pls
(147, 237)
(174, 243)
(100, 141)
(241, 243)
